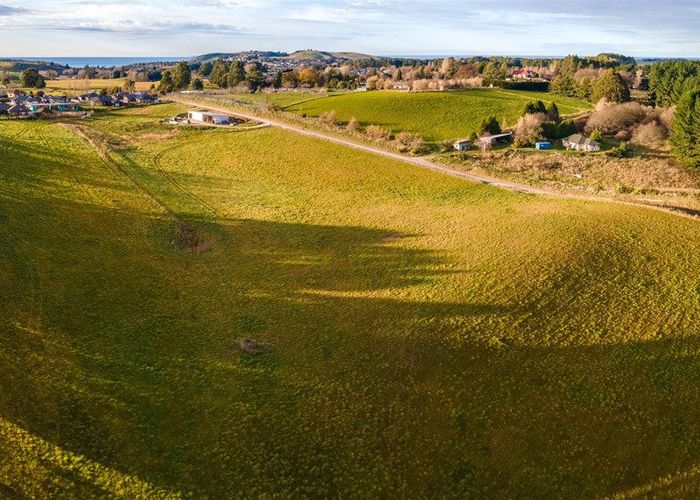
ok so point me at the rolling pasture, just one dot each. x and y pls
(435, 116)
(417, 335)
(82, 86)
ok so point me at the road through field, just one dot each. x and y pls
(425, 163)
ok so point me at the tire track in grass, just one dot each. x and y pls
(185, 237)
(169, 177)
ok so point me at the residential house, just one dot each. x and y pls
(579, 142)
(100, 100)
(462, 145)
(52, 107)
(87, 97)
(522, 74)
(4, 107)
(18, 110)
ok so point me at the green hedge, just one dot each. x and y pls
(536, 86)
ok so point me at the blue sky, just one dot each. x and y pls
(386, 27)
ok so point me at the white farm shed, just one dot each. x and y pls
(206, 117)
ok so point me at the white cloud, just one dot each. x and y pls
(377, 26)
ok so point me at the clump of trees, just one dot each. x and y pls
(32, 79)
(490, 126)
(670, 80)
(645, 125)
(407, 142)
(529, 129)
(685, 136)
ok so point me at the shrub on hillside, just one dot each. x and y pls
(408, 142)
(649, 134)
(353, 125)
(378, 133)
(446, 146)
(329, 118)
(611, 118)
(528, 130)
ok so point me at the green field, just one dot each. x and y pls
(282, 99)
(434, 115)
(421, 336)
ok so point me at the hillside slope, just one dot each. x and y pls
(417, 335)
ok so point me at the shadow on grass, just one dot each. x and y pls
(119, 348)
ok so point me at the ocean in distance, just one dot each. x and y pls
(106, 62)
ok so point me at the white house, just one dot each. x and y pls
(206, 117)
(462, 145)
(579, 142)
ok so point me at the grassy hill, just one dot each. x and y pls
(81, 86)
(418, 335)
(434, 115)
(327, 57)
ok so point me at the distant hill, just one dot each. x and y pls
(309, 56)
(250, 54)
(17, 65)
(328, 57)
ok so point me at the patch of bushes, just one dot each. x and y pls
(407, 142)
(378, 133)
(329, 118)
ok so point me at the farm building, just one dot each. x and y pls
(579, 142)
(462, 145)
(543, 145)
(494, 140)
(4, 107)
(206, 117)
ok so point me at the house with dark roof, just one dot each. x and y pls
(18, 110)
(579, 142)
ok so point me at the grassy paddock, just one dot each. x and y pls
(421, 335)
(78, 86)
(434, 115)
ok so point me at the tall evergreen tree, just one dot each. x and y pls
(219, 74)
(236, 74)
(610, 87)
(166, 84)
(490, 125)
(277, 80)
(29, 78)
(563, 84)
(685, 133)
(205, 69)
(254, 75)
(182, 76)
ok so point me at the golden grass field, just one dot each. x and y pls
(419, 335)
(75, 87)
